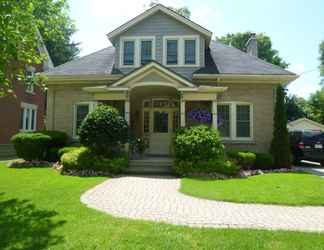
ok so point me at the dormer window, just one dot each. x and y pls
(129, 52)
(181, 51)
(172, 52)
(136, 50)
(190, 51)
(146, 51)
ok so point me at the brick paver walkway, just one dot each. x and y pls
(158, 199)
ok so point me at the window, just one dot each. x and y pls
(136, 50)
(181, 51)
(129, 52)
(223, 113)
(29, 80)
(243, 121)
(28, 117)
(146, 122)
(172, 52)
(81, 110)
(161, 122)
(190, 52)
(146, 51)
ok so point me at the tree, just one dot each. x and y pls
(265, 50)
(316, 105)
(321, 58)
(19, 40)
(280, 148)
(297, 107)
(184, 11)
(56, 28)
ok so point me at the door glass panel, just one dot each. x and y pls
(161, 122)
(146, 122)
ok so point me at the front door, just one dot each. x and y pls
(160, 122)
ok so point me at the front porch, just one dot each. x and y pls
(156, 102)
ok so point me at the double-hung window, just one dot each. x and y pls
(146, 51)
(172, 52)
(223, 117)
(81, 110)
(29, 80)
(243, 122)
(190, 51)
(129, 53)
(28, 117)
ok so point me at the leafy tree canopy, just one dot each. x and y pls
(20, 22)
(297, 107)
(184, 11)
(316, 106)
(321, 58)
(265, 50)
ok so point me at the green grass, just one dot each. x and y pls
(40, 209)
(283, 188)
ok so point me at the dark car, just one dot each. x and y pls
(307, 145)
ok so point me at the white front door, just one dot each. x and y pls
(160, 138)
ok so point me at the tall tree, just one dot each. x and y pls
(20, 22)
(184, 11)
(56, 28)
(316, 104)
(265, 50)
(321, 58)
(297, 107)
(280, 148)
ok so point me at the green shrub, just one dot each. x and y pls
(104, 130)
(31, 146)
(198, 143)
(84, 159)
(59, 139)
(221, 166)
(244, 159)
(64, 150)
(52, 154)
(263, 161)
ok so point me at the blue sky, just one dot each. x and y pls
(295, 27)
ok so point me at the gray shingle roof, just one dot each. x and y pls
(223, 59)
(220, 59)
(98, 63)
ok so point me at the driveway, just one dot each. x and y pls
(158, 199)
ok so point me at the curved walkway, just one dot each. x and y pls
(158, 199)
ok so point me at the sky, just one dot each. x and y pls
(294, 26)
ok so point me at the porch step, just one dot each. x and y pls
(151, 165)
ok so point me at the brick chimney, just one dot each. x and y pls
(252, 45)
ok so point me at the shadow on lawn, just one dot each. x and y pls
(23, 226)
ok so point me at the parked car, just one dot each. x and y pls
(307, 145)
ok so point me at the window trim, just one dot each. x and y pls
(233, 123)
(181, 50)
(29, 106)
(137, 49)
(92, 105)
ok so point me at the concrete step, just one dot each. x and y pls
(150, 165)
(149, 170)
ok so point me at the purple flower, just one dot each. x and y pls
(200, 116)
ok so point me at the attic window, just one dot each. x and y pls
(190, 51)
(146, 51)
(172, 52)
(129, 52)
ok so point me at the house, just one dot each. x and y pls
(24, 110)
(304, 124)
(160, 67)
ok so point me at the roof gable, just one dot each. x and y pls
(164, 10)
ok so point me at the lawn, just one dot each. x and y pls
(41, 209)
(284, 188)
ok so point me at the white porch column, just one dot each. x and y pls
(127, 110)
(214, 112)
(182, 112)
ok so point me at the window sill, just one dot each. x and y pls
(238, 141)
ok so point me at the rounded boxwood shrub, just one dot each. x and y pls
(59, 139)
(64, 150)
(104, 130)
(198, 143)
(244, 159)
(84, 159)
(31, 146)
(221, 166)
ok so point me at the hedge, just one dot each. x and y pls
(84, 159)
(31, 146)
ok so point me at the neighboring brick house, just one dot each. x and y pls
(160, 67)
(24, 110)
